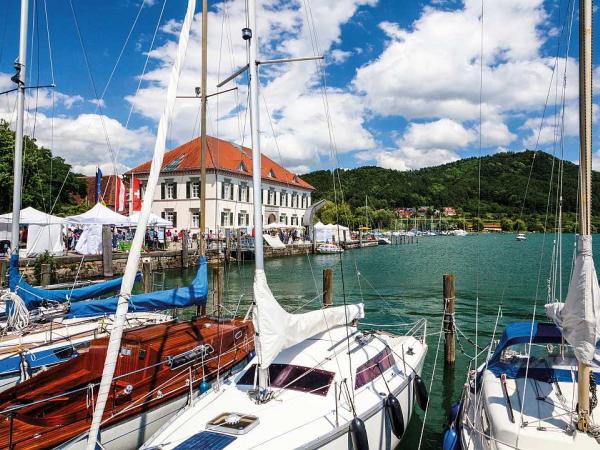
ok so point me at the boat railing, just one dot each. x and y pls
(191, 364)
(417, 329)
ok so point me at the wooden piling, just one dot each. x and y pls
(3, 271)
(107, 251)
(227, 246)
(449, 336)
(45, 275)
(218, 288)
(238, 252)
(314, 240)
(184, 249)
(147, 275)
(327, 287)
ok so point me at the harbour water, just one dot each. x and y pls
(401, 283)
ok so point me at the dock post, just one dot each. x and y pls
(3, 271)
(184, 249)
(327, 287)
(147, 275)
(218, 283)
(360, 244)
(227, 245)
(45, 275)
(314, 240)
(238, 252)
(107, 251)
(449, 338)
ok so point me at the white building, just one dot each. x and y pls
(229, 191)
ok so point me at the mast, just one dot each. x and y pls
(255, 125)
(585, 174)
(19, 79)
(114, 343)
(203, 141)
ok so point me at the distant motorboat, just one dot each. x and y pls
(521, 237)
(459, 233)
(329, 248)
(383, 241)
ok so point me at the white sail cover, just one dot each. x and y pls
(579, 316)
(276, 329)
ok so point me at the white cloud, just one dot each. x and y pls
(291, 91)
(443, 133)
(496, 133)
(410, 158)
(339, 56)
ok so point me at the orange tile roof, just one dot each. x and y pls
(222, 155)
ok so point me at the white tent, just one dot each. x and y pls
(45, 232)
(153, 221)
(278, 226)
(99, 215)
(90, 241)
(330, 232)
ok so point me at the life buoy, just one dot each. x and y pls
(420, 392)
(358, 432)
(394, 412)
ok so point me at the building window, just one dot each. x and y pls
(284, 198)
(227, 190)
(283, 218)
(294, 200)
(243, 219)
(226, 218)
(294, 220)
(243, 193)
(171, 216)
(272, 174)
(195, 189)
(271, 199)
(195, 218)
(168, 190)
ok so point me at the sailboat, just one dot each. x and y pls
(121, 388)
(316, 380)
(537, 387)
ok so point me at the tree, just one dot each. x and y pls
(43, 176)
(330, 213)
(520, 225)
(506, 224)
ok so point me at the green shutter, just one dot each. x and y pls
(174, 190)
(187, 190)
(174, 219)
(162, 191)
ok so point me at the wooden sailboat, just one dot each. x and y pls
(317, 380)
(536, 389)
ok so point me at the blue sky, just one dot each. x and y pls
(402, 78)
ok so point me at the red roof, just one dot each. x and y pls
(222, 155)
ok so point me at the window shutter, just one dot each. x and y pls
(230, 219)
(174, 190)
(162, 191)
(231, 192)
(162, 214)
(223, 190)
(187, 190)
(174, 219)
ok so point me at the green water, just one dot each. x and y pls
(399, 283)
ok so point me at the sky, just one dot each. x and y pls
(404, 84)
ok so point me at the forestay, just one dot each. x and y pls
(579, 316)
(277, 330)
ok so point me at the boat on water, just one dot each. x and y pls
(384, 240)
(459, 232)
(537, 387)
(521, 237)
(159, 372)
(329, 248)
(317, 380)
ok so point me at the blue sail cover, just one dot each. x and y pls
(34, 297)
(194, 294)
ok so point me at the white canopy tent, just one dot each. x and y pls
(44, 234)
(331, 232)
(99, 215)
(281, 226)
(153, 221)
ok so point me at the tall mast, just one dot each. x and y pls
(585, 173)
(19, 78)
(254, 125)
(203, 144)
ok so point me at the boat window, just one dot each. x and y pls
(298, 378)
(368, 371)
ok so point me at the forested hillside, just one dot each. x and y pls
(503, 184)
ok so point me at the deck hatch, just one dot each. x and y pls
(233, 423)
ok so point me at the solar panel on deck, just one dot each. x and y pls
(206, 440)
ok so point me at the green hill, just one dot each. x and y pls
(503, 185)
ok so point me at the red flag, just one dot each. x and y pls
(120, 197)
(136, 194)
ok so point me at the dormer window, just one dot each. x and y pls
(295, 179)
(242, 167)
(272, 174)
